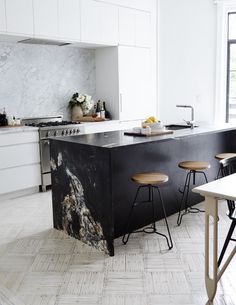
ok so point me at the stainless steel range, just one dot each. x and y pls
(52, 126)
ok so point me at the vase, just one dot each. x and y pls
(76, 113)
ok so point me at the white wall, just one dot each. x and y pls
(186, 58)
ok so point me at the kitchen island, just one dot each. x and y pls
(91, 187)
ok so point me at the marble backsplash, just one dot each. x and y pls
(39, 80)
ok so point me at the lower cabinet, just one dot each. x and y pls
(19, 178)
(19, 161)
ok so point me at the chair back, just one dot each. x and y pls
(228, 167)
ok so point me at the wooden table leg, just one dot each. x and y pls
(211, 209)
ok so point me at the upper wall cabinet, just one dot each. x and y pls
(69, 19)
(138, 4)
(126, 26)
(142, 28)
(99, 22)
(134, 27)
(3, 25)
(19, 15)
(45, 18)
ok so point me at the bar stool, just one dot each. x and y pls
(150, 181)
(193, 168)
(223, 156)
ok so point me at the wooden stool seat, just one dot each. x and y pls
(225, 156)
(150, 178)
(194, 165)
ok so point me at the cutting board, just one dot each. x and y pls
(90, 119)
(156, 133)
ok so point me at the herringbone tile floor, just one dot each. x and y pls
(42, 266)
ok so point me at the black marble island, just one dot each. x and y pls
(91, 187)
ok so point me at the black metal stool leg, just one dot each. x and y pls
(226, 243)
(184, 198)
(169, 242)
(124, 238)
(197, 210)
(153, 207)
(219, 174)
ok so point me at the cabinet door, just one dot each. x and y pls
(69, 19)
(99, 22)
(109, 23)
(3, 26)
(142, 28)
(126, 26)
(90, 21)
(45, 18)
(135, 83)
(19, 16)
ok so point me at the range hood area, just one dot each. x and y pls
(43, 42)
(31, 40)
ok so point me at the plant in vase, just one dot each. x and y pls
(80, 105)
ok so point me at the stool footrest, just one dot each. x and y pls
(151, 228)
(141, 202)
(152, 231)
(189, 210)
(185, 208)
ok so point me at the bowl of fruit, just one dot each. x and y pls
(153, 123)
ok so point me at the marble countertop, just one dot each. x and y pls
(115, 139)
(16, 129)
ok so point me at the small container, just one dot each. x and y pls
(137, 129)
(102, 114)
(146, 130)
(11, 120)
(18, 121)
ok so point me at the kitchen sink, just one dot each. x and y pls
(177, 126)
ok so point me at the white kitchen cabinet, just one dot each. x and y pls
(134, 27)
(3, 26)
(135, 83)
(19, 16)
(137, 4)
(19, 160)
(69, 19)
(99, 22)
(46, 18)
(90, 21)
(109, 24)
(126, 26)
(124, 79)
(142, 28)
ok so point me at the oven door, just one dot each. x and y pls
(45, 156)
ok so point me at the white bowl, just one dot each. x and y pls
(154, 126)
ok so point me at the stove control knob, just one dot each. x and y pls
(63, 132)
(56, 133)
(77, 130)
(48, 134)
(66, 132)
(71, 131)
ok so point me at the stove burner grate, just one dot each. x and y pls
(51, 124)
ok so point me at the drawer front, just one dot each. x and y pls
(19, 178)
(19, 138)
(18, 155)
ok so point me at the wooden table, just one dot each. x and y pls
(224, 188)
